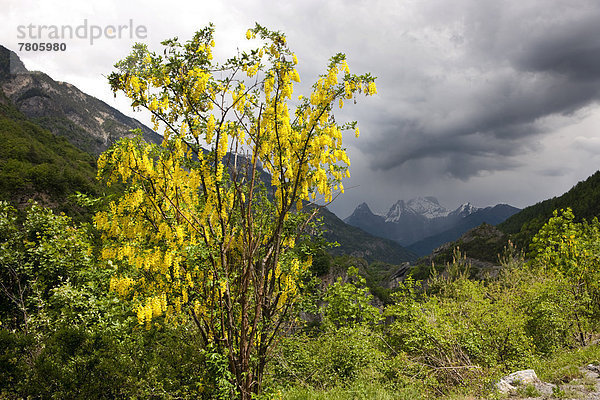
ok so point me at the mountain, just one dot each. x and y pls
(583, 199)
(365, 219)
(358, 243)
(422, 224)
(465, 210)
(520, 227)
(88, 123)
(489, 215)
(407, 222)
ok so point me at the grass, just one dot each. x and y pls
(357, 391)
(528, 391)
(563, 366)
(560, 368)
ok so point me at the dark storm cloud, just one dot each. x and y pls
(573, 50)
(460, 156)
(499, 72)
(500, 122)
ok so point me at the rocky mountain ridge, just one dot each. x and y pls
(87, 122)
(424, 222)
(428, 207)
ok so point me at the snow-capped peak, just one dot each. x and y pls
(428, 207)
(395, 211)
(465, 209)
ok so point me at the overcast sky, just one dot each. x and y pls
(481, 101)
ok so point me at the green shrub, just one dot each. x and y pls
(64, 335)
(338, 355)
(350, 303)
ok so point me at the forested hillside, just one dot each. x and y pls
(36, 164)
(583, 199)
(358, 243)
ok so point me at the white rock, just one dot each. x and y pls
(515, 379)
(504, 387)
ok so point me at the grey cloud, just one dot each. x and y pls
(571, 48)
(457, 156)
(555, 172)
(479, 104)
(588, 144)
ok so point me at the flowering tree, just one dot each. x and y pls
(197, 232)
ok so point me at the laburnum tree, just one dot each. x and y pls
(209, 220)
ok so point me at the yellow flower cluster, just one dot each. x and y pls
(238, 98)
(159, 187)
(121, 285)
(317, 140)
(153, 307)
(372, 89)
(251, 70)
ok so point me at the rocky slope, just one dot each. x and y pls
(88, 123)
(526, 385)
